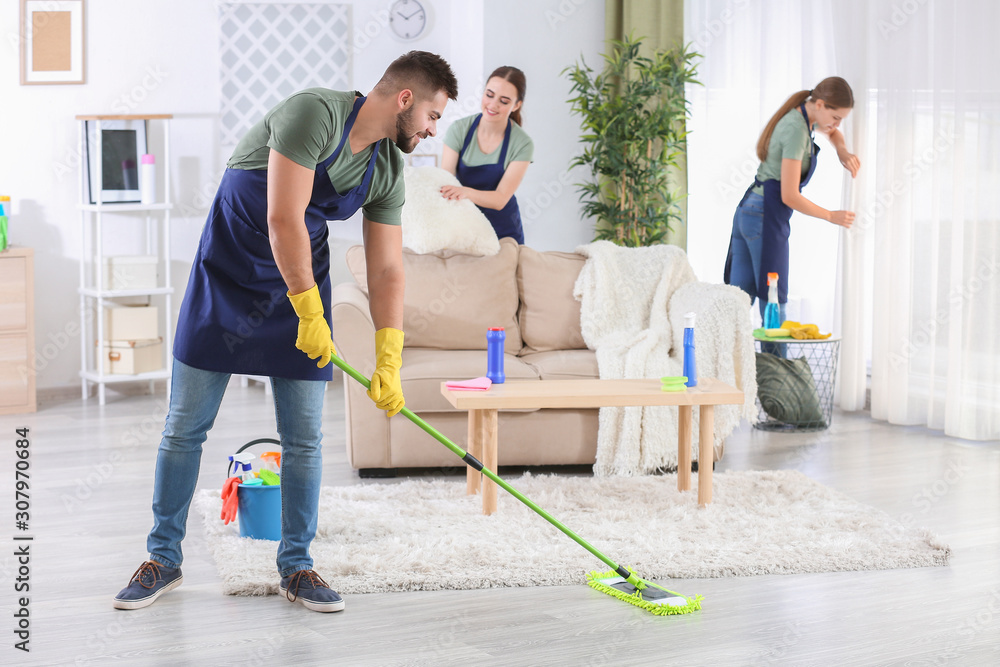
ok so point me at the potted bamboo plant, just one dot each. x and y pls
(633, 114)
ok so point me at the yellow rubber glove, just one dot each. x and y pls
(314, 336)
(387, 389)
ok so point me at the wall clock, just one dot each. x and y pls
(408, 19)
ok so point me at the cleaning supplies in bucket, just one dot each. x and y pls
(254, 496)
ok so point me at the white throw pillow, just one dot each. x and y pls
(432, 223)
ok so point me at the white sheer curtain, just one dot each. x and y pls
(917, 289)
(929, 211)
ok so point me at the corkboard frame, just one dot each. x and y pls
(53, 39)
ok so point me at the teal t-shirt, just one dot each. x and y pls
(306, 128)
(790, 140)
(520, 148)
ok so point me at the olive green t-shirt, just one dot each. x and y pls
(790, 140)
(306, 128)
(520, 148)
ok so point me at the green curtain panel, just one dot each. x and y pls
(660, 24)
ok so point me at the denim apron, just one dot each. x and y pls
(236, 317)
(775, 229)
(506, 221)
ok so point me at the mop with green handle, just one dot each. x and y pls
(620, 582)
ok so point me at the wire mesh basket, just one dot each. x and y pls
(795, 382)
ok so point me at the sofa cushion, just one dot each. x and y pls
(549, 316)
(432, 223)
(452, 299)
(564, 364)
(424, 370)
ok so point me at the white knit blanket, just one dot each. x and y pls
(628, 315)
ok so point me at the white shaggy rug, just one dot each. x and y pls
(428, 535)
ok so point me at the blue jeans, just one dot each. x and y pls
(746, 243)
(195, 396)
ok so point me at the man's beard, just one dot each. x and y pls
(405, 139)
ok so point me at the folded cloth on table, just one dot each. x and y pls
(476, 384)
(803, 331)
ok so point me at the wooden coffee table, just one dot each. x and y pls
(484, 405)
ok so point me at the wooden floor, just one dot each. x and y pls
(91, 469)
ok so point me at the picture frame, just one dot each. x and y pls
(423, 160)
(123, 143)
(53, 42)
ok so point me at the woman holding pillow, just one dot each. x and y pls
(489, 153)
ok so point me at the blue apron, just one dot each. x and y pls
(776, 228)
(506, 221)
(236, 317)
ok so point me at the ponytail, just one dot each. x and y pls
(797, 99)
(835, 92)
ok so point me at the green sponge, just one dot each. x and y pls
(269, 478)
(673, 383)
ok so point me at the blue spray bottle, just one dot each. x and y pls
(772, 313)
(690, 371)
(495, 337)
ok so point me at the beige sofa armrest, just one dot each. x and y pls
(354, 338)
(352, 321)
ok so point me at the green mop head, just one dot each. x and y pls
(642, 593)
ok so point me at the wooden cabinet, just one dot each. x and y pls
(17, 330)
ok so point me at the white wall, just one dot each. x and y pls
(161, 56)
(543, 38)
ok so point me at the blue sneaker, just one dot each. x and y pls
(149, 582)
(307, 587)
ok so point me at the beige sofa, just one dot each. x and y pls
(451, 300)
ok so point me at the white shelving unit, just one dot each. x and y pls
(94, 296)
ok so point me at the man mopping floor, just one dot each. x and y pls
(256, 301)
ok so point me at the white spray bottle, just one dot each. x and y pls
(242, 467)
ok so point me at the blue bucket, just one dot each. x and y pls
(259, 511)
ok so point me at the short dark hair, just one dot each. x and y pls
(422, 72)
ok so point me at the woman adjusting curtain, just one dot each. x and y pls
(787, 152)
(489, 153)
